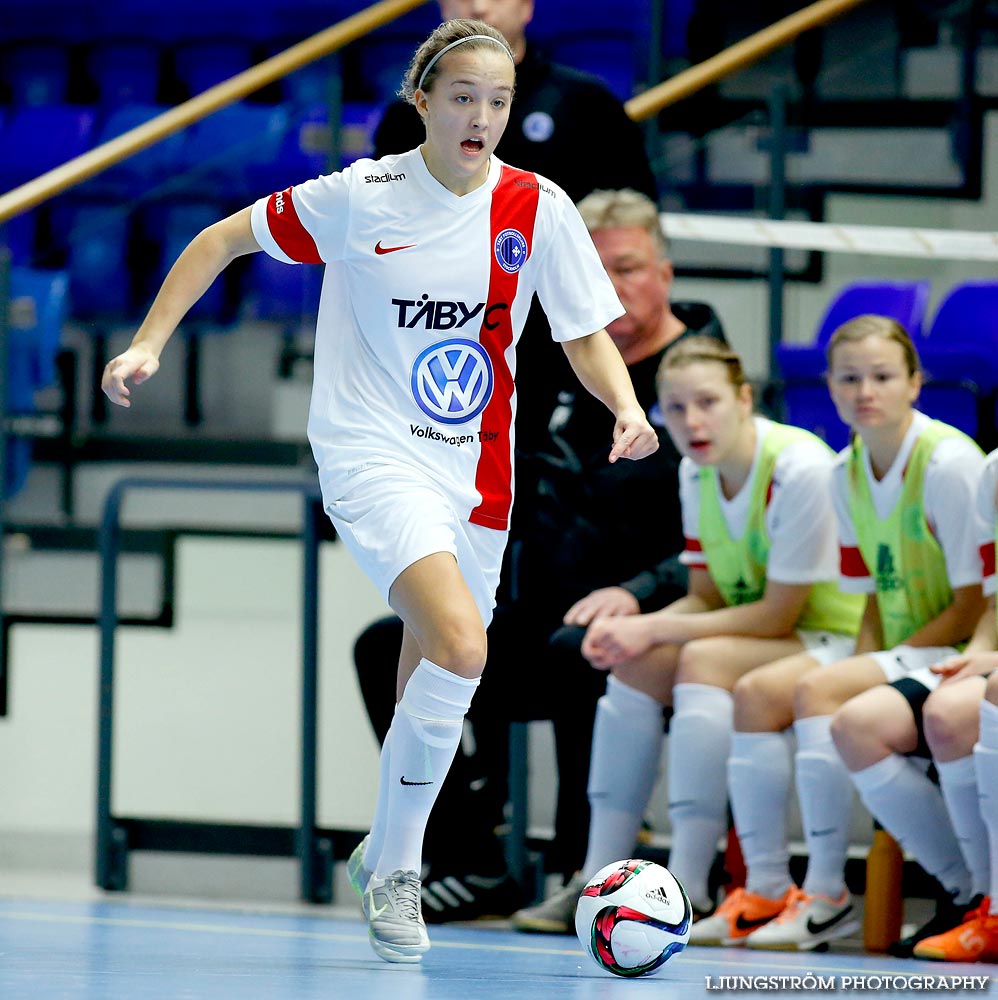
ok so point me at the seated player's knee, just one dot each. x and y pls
(848, 723)
(813, 695)
(758, 706)
(944, 722)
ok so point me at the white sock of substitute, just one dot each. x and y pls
(424, 736)
(699, 747)
(825, 793)
(912, 810)
(986, 765)
(958, 781)
(376, 838)
(627, 746)
(759, 775)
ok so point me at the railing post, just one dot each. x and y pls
(776, 209)
(4, 451)
(108, 873)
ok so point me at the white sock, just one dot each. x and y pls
(424, 736)
(759, 773)
(986, 765)
(376, 838)
(627, 747)
(958, 781)
(825, 793)
(912, 810)
(699, 747)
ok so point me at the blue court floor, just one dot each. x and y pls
(121, 949)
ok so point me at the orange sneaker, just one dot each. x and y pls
(741, 913)
(975, 940)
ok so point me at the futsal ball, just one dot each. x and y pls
(632, 917)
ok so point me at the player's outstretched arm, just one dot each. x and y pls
(600, 368)
(204, 258)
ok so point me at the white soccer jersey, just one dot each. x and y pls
(424, 298)
(987, 515)
(951, 480)
(800, 520)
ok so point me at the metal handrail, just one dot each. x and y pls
(109, 547)
(77, 170)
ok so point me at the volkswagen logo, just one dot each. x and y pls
(452, 381)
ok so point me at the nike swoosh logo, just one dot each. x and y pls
(379, 249)
(404, 782)
(822, 833)
(376, 911)
(746, 925)
(682, 802)
(817, 926)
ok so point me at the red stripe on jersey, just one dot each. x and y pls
(514, 206)
(288, 232)
(988, 559)
(851, 562)
(693, 545)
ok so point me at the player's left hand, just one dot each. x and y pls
(963, 665)
(611, 641)
(633, 436)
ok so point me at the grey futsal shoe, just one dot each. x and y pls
(394, 918)
(359, 875)
(556, 915)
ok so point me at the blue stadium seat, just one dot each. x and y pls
(38, 302)
(126, 71)
(226, 150)
(18, 234)
(36, 72)
(95, 235)
(802, 366)
(202, 63)
(174, 224)
(287, 294)
(675, 22)
(960, 358)
(143, 172)
(36, 139)
(615, 59)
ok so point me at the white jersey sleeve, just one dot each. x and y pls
(573, 287)
(307, 223)
(987, 515)
(689, 499)
(800, 518)
(951, 483)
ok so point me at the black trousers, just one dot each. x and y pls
(535, 670)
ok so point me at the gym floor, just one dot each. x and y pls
(125, 948)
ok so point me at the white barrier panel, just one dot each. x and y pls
(888, 241)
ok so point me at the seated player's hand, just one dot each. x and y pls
(633, 436)
(612, 641)
(607, 602)
(963, 665)
(137, 364)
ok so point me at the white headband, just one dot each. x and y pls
(447, 48)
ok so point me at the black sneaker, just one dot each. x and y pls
(469, 897)
(947, 916)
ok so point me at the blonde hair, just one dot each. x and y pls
(606, 209)
(425, 65)
(871, 325)
(699, 349)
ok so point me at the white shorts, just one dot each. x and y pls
(391, 519)
(913, 662)
(826, 647)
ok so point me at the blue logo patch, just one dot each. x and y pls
(511, 250)
(452, 381)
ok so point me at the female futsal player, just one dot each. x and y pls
(432, 259)
(905, 493)
(760, 547)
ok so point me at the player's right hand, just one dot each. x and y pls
(137, 363)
